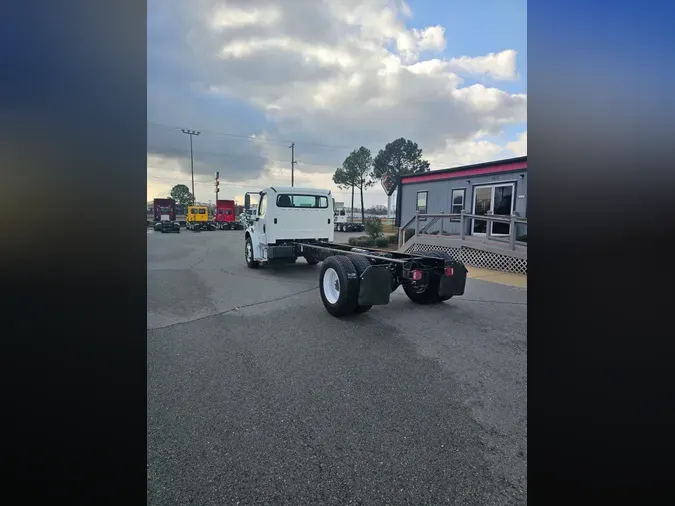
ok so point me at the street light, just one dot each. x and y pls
(192, 167)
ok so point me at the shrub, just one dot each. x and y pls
(393, 239)
(382, 242)
(364, 242)
(373, 227)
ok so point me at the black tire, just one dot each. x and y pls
(248, 253)
(361, 264)
(424, 294)
(177, 230)
(311, 258)
(342, 300)
(445, 256)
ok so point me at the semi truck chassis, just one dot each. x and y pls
(353, 280)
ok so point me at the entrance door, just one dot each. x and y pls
(482, 205)
(502, 205)
(497, 200)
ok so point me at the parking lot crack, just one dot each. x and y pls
(244, 306)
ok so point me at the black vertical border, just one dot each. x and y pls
(601, 179)
(73, 256)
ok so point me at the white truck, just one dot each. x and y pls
(340, 221)
(298, 222)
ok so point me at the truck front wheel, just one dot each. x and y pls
(311, 258)
(339, 285)
(250, 262)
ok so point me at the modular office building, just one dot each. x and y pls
(498, 188)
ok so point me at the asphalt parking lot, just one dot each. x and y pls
(256, 395)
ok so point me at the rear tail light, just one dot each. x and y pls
(416, 275)
(449, 271)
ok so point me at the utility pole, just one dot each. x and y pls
(192, 167)
(293, 162)
(217, 186)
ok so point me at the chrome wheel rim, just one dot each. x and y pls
(331, 285)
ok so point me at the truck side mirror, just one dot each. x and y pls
(247, 201)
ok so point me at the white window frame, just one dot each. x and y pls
(426, 202)
(452, 201)
(512, 184)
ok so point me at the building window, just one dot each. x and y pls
(422, 202)
(457, 202)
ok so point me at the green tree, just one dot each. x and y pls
(181, 194)
(344, 179)
(359, 165)
(378, 210)
(373, 227)
(399, 158)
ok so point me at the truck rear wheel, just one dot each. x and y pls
(252, 264)
(361, 264)
(444, 256)
(423, 294)
(339, 285)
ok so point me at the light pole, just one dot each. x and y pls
(192, 167)
(293, 162)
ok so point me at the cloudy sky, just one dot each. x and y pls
(329, 75)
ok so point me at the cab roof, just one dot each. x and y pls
(301, 191)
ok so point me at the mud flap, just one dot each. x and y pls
(453, 285)
(375, 286)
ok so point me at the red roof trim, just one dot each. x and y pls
(431, 176)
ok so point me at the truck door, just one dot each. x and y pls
(261, 225)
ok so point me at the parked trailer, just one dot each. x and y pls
(296, 222)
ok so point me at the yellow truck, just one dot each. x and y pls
(198, 219)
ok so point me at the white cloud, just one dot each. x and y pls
(498, 65)
(333, 73)
(519, 146)
(224, 17)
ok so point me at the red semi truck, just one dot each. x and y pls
(164, 211)
(224, 217)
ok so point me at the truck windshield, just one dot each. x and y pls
(164, 210)
(312, 201)
(202, 211)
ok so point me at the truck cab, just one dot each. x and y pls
(198, 219)
(224, 217)
(164, 211)
(287, 216)
(340, 220)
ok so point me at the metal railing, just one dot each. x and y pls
(458, 225)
